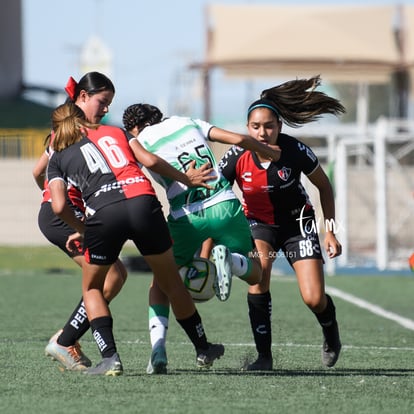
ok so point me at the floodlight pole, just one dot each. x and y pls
(207, 94)
(207, 67)
(381, 193)
(341, 202)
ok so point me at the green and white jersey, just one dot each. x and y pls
(180, 140)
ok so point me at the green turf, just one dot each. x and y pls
(375, 373)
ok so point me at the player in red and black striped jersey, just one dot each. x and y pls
(272, 191)
(121, 205)
(281, 216)
(93, 93)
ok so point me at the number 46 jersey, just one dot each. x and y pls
(102, 166)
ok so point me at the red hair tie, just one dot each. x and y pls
(70, 88)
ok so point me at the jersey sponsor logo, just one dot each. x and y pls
(310, 154)
(99, 341)
(308, 151)
(247, 176)
(200, 330)
(284, 173)
(261, 329)
(79, 317)
(97, 256)
(266, 188)
(117, 185)
(252, 223)
(287, 184)
(223, 163)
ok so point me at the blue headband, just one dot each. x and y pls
(263, 105)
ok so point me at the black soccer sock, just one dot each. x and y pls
(194, 329)
(328, 316)
(327, 319)
(103, 335)
(260, 314)
(75, 327)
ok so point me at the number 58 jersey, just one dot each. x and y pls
(102, 166)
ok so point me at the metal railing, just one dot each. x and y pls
(22, 143)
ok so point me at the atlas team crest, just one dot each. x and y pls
(284, 173)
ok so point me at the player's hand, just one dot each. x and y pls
(200, 176)
(275, 152)
(270, 152)
(73, 241)
(332, 246)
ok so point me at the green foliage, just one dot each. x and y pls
(373, 375)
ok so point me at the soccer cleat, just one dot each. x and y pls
(71, 357)
(221, 257)
(110, 367)
(206, 357)
(262, 363)
(158, 361)
(331, 346)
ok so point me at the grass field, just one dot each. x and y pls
(375, 373)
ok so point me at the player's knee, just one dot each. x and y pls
(314, 302)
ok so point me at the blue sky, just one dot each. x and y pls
(151, 42)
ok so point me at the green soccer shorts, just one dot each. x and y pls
(224, 222)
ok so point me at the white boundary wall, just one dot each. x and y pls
(19, 204)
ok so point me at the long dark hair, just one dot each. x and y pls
(91, 82)
(296, 102)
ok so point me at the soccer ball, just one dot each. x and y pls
(199, 279)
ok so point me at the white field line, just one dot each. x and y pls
(282, 345)
(377, 310)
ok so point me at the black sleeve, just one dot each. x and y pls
(228, 163)
(53, 170)
(309, 159)
(300, 153)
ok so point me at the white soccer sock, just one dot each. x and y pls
(158, 326)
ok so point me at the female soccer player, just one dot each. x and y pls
(93, 94)
(279, 211)
(120, 204)
(196, 214)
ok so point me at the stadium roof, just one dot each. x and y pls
(342, 43)
(354, 44)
